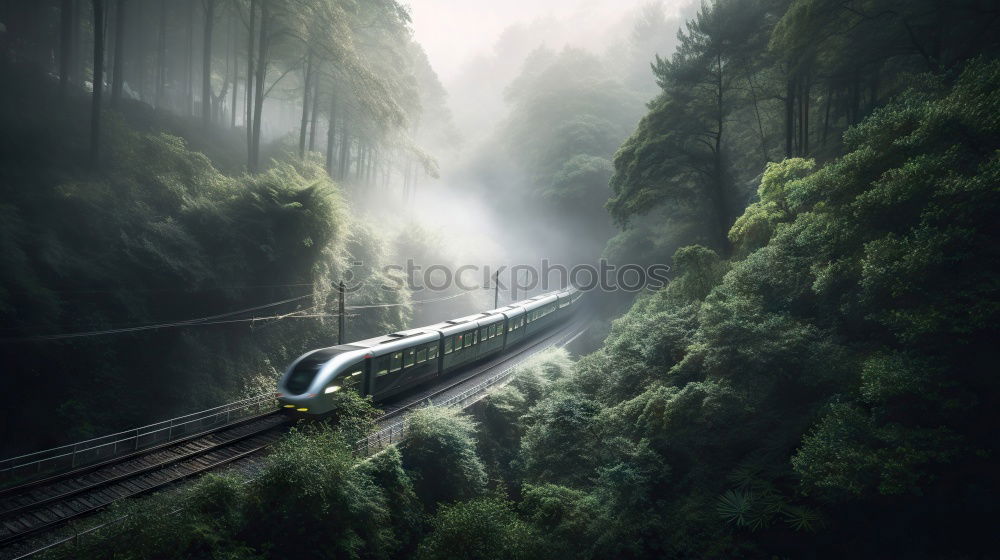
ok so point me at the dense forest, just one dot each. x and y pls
(203, 184)
(814, 382)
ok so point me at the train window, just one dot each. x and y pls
(475, 337)
(421, 355)
(432, 351)
(381, 365)
(458, 342)
(352, 379)
(408, 357)
(396, 363)
(492, 331)
(482, 334)
(448, 344)
(468, 340)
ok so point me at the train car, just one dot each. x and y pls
(513, 325)
(540, 313)
(401, 360)
(388, 365)
(459, 342)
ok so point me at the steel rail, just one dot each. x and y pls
(139, 478)
(397, 427)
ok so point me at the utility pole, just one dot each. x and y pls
(340, 313)
(496, 291)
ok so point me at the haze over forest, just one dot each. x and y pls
(815, 380)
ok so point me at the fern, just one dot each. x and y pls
(734, 506)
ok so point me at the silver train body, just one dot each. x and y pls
(387, 365)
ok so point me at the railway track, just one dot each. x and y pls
(42, 505)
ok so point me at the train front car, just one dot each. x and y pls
(309, 383)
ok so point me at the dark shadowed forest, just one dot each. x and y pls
(185, 183)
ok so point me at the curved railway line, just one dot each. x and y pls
(40, 506)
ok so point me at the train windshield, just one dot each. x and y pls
(306, 370)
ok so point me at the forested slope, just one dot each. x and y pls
(173, 172)
(158, 236)
(832, 391)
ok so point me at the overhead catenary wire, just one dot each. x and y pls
(220, 319)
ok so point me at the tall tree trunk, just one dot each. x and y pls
(798, 129)
(855, 103)
(406, 179)
(756, 110)
(66, 23)
(161, 55)
(206, 64)
(805, 116)
(344, 161)
(189, 85)
(315, 115)
(258, 105)
(359, 161)
(235, 54)
(306, 92)
(826, 114)
(331, 133)
(119, 64)
(789, 115)
(76, 56)
(95, 102)
(721, 208)
(248, 119)
(236, 78)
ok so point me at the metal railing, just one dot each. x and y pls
(394, 433)
(67, 457)
(365, 447)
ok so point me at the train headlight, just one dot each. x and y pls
(332, 389)
(302, 409)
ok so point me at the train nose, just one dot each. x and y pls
(298, 403)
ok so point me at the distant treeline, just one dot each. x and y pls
(756, 81)
(345, 76)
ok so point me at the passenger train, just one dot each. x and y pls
(387, 365)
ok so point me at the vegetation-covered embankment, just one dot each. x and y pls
(157, 236)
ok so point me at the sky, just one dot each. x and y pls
(453, 32)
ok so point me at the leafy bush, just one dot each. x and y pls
(484, 528)
(439, 453)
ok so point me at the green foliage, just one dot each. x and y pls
(755, 227)
(557, 446)
(327, 505)
(835, 379)
(353, 416)
(571, 518)
(406, 513)
(200, 521)
(439, 453)
(501, 429)
(162, 236)
(679, 155)
(484, 528)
